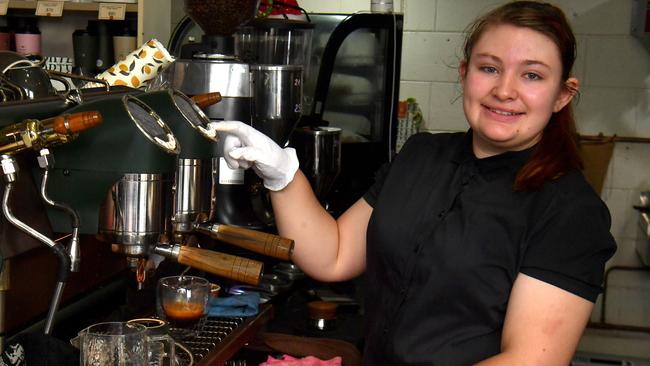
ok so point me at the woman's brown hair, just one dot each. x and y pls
(557, 152)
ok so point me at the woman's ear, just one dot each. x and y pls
(569, 90)
(462, 70)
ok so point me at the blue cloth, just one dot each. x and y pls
(235, 306)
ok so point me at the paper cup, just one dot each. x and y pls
(139, 66)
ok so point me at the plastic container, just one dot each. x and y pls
(124, 42)
(5, 39)
(381, 6)
(28, 39)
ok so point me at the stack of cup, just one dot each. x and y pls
(381, 6)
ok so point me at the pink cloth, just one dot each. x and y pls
(306, 361)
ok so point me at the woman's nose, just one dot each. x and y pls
(505, 88)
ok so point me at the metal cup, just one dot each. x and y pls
(319, 153)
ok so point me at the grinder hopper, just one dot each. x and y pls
(219, 19)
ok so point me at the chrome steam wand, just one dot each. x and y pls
(10, 170)
(46, 162)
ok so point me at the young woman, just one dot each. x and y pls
(486, 247)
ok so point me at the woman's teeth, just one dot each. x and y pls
(504, 113)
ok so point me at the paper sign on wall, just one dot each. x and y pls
(49, 8)
(4, 5)
(111, 11)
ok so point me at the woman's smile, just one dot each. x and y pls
(502, 114)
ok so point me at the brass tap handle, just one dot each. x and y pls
(225, 265)
(207, 99)
(256, 241)
(68, 124)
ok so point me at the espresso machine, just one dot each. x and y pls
(122, 176)
(265, 95)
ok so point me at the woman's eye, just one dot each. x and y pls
(488, 69)
(532, 76)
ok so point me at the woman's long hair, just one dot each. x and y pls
(557, 152)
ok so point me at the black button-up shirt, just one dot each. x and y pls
(447, 238)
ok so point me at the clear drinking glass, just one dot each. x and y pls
(183, 303)
(120, 344)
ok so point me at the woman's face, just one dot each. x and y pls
(511, 86)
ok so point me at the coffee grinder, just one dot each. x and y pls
(211, 66)
(264, 94)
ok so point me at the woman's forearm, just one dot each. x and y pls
(300, 216)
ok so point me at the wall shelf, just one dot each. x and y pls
(67, 6)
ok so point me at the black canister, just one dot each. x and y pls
(102, 30)
(84, 47)
(5, 39)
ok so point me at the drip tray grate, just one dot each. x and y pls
(213, 332)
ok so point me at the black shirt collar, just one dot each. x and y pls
(510, 159)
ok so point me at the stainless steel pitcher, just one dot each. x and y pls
(319, 152)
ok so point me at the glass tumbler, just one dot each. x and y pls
(183, 301)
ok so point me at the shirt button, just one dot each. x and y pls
(441, 214)
(385, 331)
(402, 291)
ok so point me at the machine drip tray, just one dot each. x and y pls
(213, 332)
(221, 338)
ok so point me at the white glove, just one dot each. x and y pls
(245, 147)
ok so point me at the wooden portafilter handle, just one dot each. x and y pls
(236, 268)
(207, 99)
(68, 124)
(256, 241)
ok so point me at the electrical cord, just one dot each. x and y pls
(186, 350)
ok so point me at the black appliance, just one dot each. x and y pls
(354, 85)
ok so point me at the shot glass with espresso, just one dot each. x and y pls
(183, 303)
